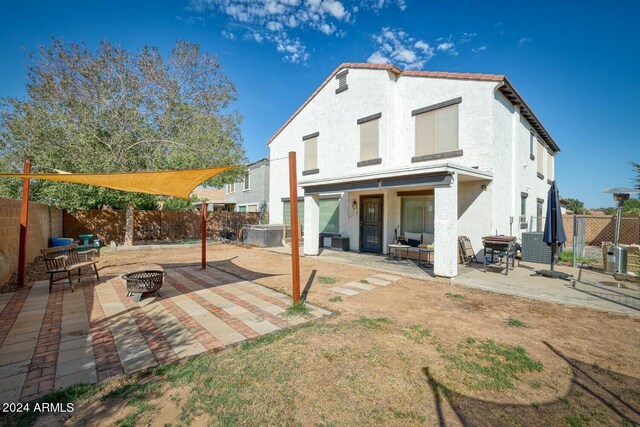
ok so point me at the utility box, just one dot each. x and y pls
(534, 249)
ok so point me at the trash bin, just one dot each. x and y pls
(616, 259)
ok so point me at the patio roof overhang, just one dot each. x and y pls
(433, 175)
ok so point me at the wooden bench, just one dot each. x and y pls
(66, 260)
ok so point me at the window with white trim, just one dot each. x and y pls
(231, 188)
(523, 209)
(246, 182)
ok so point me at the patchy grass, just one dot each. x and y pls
(488, 365)
(454, 296)
(274, 379)
(378, 323)
(325, 280)
(299, 309)
(416, 333)
(577, 420)
(567, 258)
(335, 299)
(515, 323)
(365, 281)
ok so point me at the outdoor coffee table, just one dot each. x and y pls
(144, 282)
(397, 257)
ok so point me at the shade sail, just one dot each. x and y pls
(178, 183)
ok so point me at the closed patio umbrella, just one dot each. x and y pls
(553, 229)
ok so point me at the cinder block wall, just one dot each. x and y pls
(44, 222)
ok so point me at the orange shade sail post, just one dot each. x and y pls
(204, 235)
(295, 241)
(24, 220)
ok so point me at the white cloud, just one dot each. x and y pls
(479, 49)
(275, 21)
(228, 35)
(381, 4)
(446, 47)
(466, 37)
(398, 47)
(524, 40)
(377, 58)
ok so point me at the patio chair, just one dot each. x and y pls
(466, 250)
(65, 260)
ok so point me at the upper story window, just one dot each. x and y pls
(532, 142)
(541, 151)
(310, 153)
(436, 131)
(523, 210)
(550, 165)
(231, 188)
(369, 140)
(341, 77)
(247, 182)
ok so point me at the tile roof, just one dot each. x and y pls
(509, 91)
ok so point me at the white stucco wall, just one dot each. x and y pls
(492, 136)
(335, 117)
(513, 170)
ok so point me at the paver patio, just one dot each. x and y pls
(53, 340)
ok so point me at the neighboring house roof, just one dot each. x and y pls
(506, 89)
(209, 194)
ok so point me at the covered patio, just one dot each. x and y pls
(51, 341)
(443, 201)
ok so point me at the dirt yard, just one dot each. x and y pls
(411, 353)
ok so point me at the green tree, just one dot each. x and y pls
(636, 166)
(113, 110)
(575, 206)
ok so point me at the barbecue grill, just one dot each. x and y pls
(500, 246)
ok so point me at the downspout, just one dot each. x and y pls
(512, 170)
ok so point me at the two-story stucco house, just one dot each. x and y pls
(250, 194)
(382, 152)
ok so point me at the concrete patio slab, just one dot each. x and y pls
(359, 285)
(344, 291)
(592, 290)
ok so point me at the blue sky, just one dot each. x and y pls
(576, 63)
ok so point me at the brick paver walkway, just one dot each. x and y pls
(53, 340)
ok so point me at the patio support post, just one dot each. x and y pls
(312, 224)
(295, 239)
(203, 265)
(445, 254)
(24, 219)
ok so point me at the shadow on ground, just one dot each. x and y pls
(596, 395)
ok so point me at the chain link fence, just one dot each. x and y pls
(587, 234)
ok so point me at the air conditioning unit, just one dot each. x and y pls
(534, 249)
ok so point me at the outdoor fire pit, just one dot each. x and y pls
(144, 282)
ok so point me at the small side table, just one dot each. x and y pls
(428, 253)
(397, 257)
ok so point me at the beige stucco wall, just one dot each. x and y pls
(44, 222)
